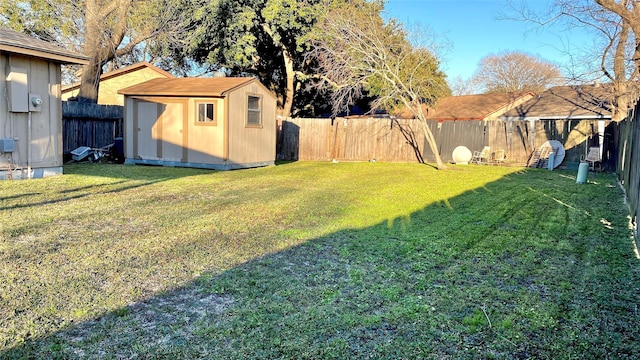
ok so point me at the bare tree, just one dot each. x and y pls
(114, 28)
(516, 71)
(359, 52)
(624, 78)
(103, 30)
(460, 86)
(615, 54)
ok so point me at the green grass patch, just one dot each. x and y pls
(317, 260)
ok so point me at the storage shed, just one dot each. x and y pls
(31, 109)
(213, 123)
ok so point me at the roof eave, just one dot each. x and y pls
(158, 94)
(133, 68)
(459, 119)
(510, 105)
(50, 55)
(573, 117)
(240, 84)
(119, 72)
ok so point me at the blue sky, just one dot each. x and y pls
(474, 30)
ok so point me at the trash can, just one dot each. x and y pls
(583, 170)
(118, 150)
(552, 161)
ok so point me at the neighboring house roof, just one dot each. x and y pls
(193, 87)
(15, 42)
(474, 107)
(566, 102)
(120, 72)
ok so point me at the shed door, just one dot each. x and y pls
(172, 123)
(148, 130)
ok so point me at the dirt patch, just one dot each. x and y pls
(162, 321)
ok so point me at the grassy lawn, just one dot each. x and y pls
(317, 260)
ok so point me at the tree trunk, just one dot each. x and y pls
(431, 140)
(97, 46)
(622, 93)
(630, 16)
(287, 101)
(287, 104)
(418, 112)
(90, 81)
(90, 78)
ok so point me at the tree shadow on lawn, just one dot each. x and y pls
(523, 268)
(132, 177)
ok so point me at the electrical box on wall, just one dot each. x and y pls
(6, 146)
(18, 90)
(35, 102)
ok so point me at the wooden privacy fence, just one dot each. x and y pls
(92, 125)
(627, 136)
(358, 139)
(390, 139)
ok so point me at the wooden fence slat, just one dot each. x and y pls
(92, 125)
(387, 139)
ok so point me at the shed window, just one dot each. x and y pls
(206, 113)
(254, 110)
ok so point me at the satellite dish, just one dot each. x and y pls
(461, 155)
(558, 149)
(219, 74)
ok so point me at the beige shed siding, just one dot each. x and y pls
(69, 94)
(108, 91)
(206, 141)
(155, 128)
(46, 125)
(166, 129)
(251, 144)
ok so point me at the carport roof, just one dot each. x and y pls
(189, 87)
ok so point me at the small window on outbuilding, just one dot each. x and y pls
(254, 110)
(206, 113)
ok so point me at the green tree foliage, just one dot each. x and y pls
(47, 20)
(265, 38)
(358, 53)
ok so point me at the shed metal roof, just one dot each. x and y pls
(190, 87)
(18, 43)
